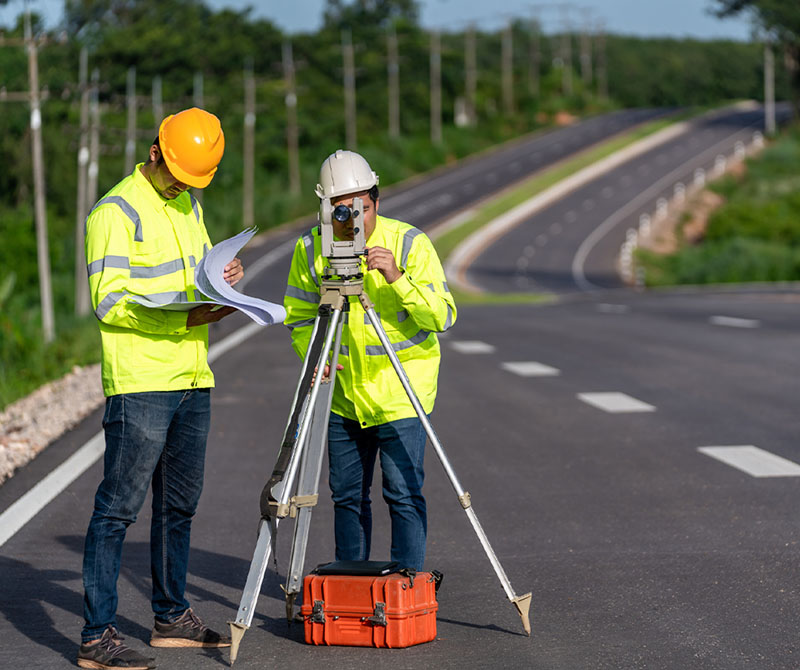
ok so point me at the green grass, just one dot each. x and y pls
(754, 236)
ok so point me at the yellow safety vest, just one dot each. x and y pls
(412, 310)
(140, 243)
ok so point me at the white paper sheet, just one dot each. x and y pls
(209, 281)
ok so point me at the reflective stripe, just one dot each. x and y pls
(195, 207)
(192, 261)
(402, 315)
(299, 324)
(205, 249)
(344, 350)
(446, 289)
(408, 240)
(160, 270)
(161, 298)
(432, 287)
(120, 262)
(108, 302)
(366, 317)
(126, 208)
(308, 242)
(449, 321)
(300, 294)
(419, 338)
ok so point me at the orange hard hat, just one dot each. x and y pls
(192, 144)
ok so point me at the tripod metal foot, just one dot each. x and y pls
(237, 633)
(523, 605)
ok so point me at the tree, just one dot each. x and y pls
(781, 20)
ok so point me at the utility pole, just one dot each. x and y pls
(40, 214)
(348, 59)
(249, 141)
(436, 88)
(291, 119)
(82, 302)
(602, 70)
(130, 142)
(586, 48)
(508, 70)
(769, 89)
(198, 101)
(534, 57)
(393, 71)
(470, 73)
(158, 105)
(566, 51)
(94, 140)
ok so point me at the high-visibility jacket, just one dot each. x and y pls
(140, 243)
(412, 310)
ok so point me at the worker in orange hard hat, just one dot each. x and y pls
(144, 238)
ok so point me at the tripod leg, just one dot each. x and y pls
(292, 449)
(521, 603)
(308, 483)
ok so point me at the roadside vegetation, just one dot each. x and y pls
(177, 39)
(754, 236)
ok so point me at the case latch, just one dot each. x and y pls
(317, 612)
(378, 618)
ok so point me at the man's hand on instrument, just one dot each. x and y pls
(382, 260)
(326, 373)
(207, 314)
(233, 272)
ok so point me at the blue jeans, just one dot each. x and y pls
(352, 451)
(157, 437)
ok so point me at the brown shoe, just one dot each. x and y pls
(110, 652)
(186, 631)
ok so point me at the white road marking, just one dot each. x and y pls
(615, 402)
(609, 308)
(472, 347)
(531, 369)
(754, 461)
(734, 322)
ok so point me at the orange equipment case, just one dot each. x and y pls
(394, 610)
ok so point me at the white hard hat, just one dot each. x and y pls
(344, 172)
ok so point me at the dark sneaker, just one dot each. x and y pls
(186, 631)
(111, 652)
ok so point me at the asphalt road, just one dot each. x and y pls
(573, 244)
(640, 550)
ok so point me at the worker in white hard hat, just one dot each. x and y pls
(371, 413)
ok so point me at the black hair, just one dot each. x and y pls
(374, 194)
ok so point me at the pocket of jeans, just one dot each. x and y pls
(107, 412)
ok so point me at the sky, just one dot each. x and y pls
(647, 18)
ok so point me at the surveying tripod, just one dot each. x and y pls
(304, 443)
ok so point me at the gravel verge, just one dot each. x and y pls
(28, 425)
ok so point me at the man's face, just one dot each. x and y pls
(344, 230)
(161, 178)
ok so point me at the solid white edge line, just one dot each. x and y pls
(36, 499)
(31, 503)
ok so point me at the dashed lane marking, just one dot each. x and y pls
(734, 322)
(531, 369)
(472, 347)
(754, 461)
(615, 402)
(610, 308)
